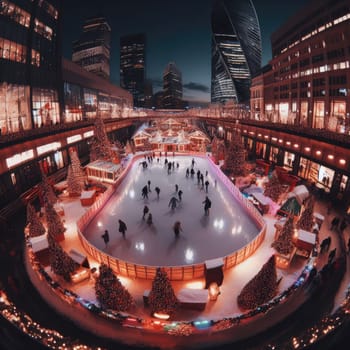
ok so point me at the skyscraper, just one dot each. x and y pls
(92, 50)
(236, 50)
(172, 87)
(132, 66)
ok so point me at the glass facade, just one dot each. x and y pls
(172, 87)
(132, 66)
(236, 50)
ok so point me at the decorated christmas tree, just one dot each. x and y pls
(61, 263)
(55, 227)
(100, 147)
(77, 170)
(260, 289)
(273, 188)
(235, 157)
(283, 244)
(73, 184)
(306, 220)
(162, 298)
(47, 191)
(36, 227)
(110, 293)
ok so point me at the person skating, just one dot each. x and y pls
(157, 189)
(180, 195)
(145, 192)
(192, 172)
(206, 186)
(145, 211)
(122, 227)
(177, 229)
(207, 205)
(149, 185)
(105, 237)
(187, 172)
(193, 162)
(149, 219)
(173, 203)
(176, 187)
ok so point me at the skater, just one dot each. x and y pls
(169, 167)
(206, 186)
(105, 237)
(149, 219)
(177, 229)
(198, 176)
(176, 187)
(206, 173)
(215, 183)
(157, 189)
(173, 202)
(180, 195)
(187, 172)
(193, 162)
(145, 211)
(145, 192)
(202, 179)
(122, 227)
(207, 205)
(149, 185)
(192, 172)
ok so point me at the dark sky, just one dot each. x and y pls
(176, 31)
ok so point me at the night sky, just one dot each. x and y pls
(176, 31)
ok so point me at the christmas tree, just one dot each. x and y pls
(235, 157)
(61, 263)
(36, 227)
(77, 170)
(73, 184)
(273, 187)
(260, 289)
(55, 227)
(100, 147)
(110, 293)
(47, 191)
(162, 298)
(283, 244)
(306, 220)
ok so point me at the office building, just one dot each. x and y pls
(236, 50)
(133, 66)
(92, 50)
(172, 87)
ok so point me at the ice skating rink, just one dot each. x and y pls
(227, 228)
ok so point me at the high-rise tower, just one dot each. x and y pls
(236, 50)
(92, 50)
(132, 66)
(172, 87)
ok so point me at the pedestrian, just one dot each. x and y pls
(157, 189)
(334, 223)
(173, 202)
(145, 192)
(149, 185)
(105, 237)
(176, 187)
(180, 195)
(343, 226)
(177, 228)
(331, 255)
(206, 186)
(145, 211)
(122, 227)
(187, 172)
(207, 205)
(149, 219)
